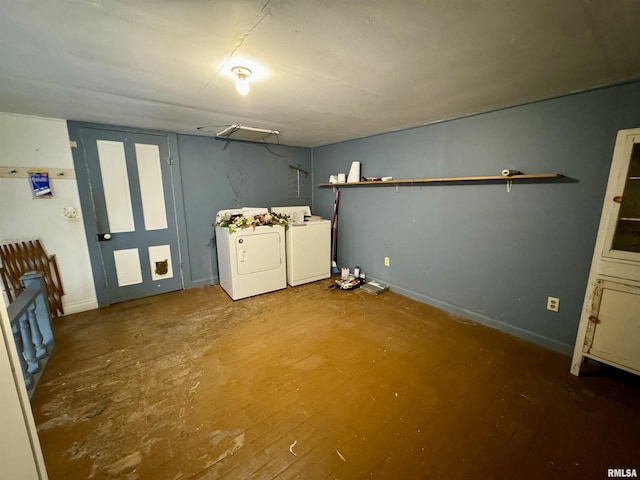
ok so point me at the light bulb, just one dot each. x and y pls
(242, 81)
(242, 85)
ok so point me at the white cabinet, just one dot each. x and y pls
(613, 329)
(609, 328)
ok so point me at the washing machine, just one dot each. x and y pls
(308, 245)
(251, 261)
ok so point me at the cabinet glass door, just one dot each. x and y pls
(627, 234)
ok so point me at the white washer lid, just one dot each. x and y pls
(243, 211)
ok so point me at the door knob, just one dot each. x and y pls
(103, 237)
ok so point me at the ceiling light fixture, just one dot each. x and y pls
(242, 83)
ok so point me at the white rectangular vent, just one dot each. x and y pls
(250, 134)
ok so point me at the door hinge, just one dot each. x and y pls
(169, 160)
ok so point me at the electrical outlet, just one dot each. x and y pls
(553, 304)
(70, 212)
(386, 261)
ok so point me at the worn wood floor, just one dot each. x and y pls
(312, 383)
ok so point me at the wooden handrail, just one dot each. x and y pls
(20, 305)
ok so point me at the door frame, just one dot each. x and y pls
(19, 433)
(88, 213)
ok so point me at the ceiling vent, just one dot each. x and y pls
(249, 134)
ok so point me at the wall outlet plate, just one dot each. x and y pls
(553, 304)
(70, 212)
(386, 261)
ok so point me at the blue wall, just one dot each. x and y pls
(218, 175)
(474, 249)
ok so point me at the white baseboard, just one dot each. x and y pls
(77, 307)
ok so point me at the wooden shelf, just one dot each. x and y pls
(426, 181)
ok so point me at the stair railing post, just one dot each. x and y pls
(17, 338)
(36, 335)
(36, 280)
(33, 364)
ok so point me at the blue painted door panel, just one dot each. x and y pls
(137, 261)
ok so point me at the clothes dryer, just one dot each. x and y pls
(251, 261)
(308, 245)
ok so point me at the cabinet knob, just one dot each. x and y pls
(617, 199)
(593, 319)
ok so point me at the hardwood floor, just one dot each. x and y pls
(313, 383)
